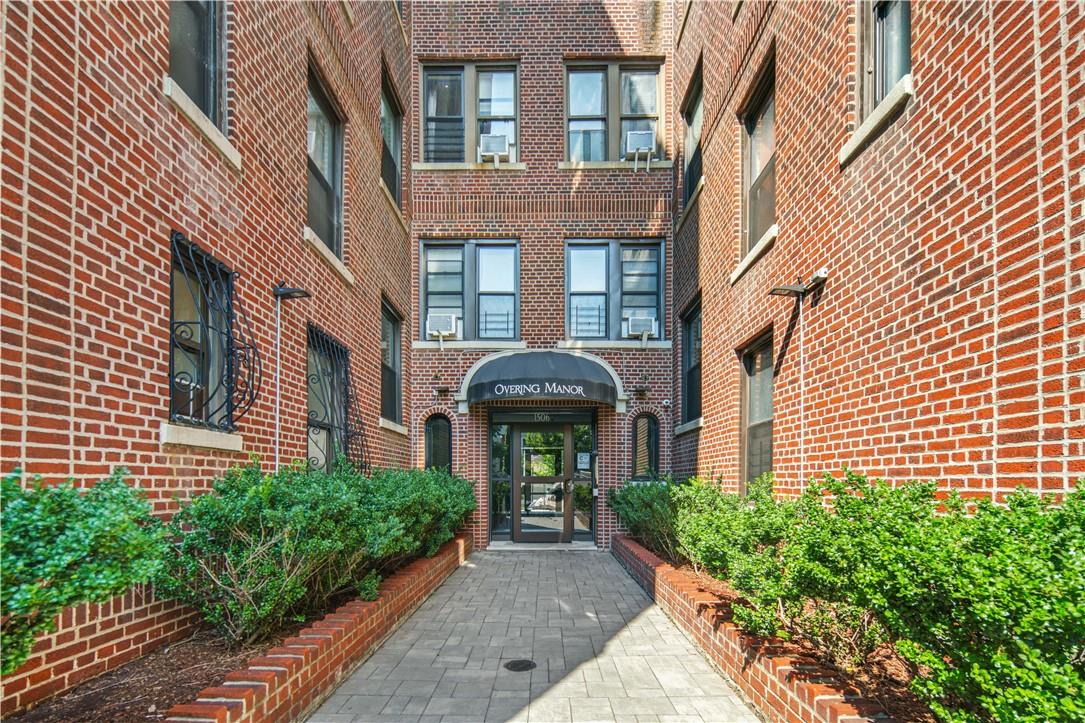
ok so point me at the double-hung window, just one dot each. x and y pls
(759, 175)
(604, 103)
(391, 381)
(645, 446)
(196, 54)
(693, 115)
(474, 282)
(325, 150)
(469, 113)
(691, 365)
(328, 375)
(614, 289)
(757, 410)
(887, 48)
(391, 145)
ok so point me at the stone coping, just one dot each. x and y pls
(291, 680)
(782, 686)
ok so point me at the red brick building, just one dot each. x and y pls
(501, 280)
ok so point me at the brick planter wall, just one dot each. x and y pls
(781, 685)
(292, 679)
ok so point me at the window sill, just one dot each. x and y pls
(478, 344)
(392, 426)
(657, 165)
(200, 122)
(326, 254)
(689, 426)
(179, 434)
(690, 204)
(894, 100)
(759, 249)
(468, 167)
(393, 205)
(614, 344)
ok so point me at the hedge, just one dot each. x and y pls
(985, 602)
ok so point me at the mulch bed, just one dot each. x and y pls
(883, 677)
(146, 688)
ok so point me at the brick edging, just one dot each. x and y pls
(290, 680)
(783, 686)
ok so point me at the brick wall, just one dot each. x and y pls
(98, 167)
(947, 342)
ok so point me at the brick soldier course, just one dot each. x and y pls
(946, 342)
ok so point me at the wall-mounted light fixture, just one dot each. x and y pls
(282, 292)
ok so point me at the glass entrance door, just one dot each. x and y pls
(541, 482)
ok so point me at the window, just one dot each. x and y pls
(610, 283)
(645, 446)
(467, 109)
(328, 373)
(196, 52)
(390, 364)
(438, 442)
(391, 135)
(214, 365)
(887, 48)
(476, 282)
(693, 114)
(757, 410)
(691, 365)
(759, 176)
(325, 145)
(598, 129)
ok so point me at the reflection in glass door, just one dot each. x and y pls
(540, 482)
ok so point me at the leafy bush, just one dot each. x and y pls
(985, 602)
(646, 508)
(62, 546)
(261, 549)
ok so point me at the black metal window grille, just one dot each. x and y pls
(390, 365)
(645, 446)
(215, 368)
(439, 442)
(444, 116)
(324, 140)
(391, 135)
(196, 52)
(334, 429)
(757, 410)
(691, 366)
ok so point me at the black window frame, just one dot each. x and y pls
(212, 57)
(332, 188)
(391, 158)
(756, 107)
(691, 109)
(470, 292)
(875, 83)
(652, 469)
(751, 355)
(692, 341)
(615, 292)
(431, 441)
(392, 375)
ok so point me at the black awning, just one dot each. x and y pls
(542, 375)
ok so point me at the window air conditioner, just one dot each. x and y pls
(442, 325)
(493, 145)
(638, 142)
(637, 326)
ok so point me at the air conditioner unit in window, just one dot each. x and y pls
(638, 142)
(638, 326)
(493, 145)
(442, 325)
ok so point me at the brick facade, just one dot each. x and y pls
(947, 342)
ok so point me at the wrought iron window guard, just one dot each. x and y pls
(334, 426)
(215, 368)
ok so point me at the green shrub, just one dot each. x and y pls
(261, 549)
(646, 508)
(62, 546)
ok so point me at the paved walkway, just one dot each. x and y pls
(603, 651)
